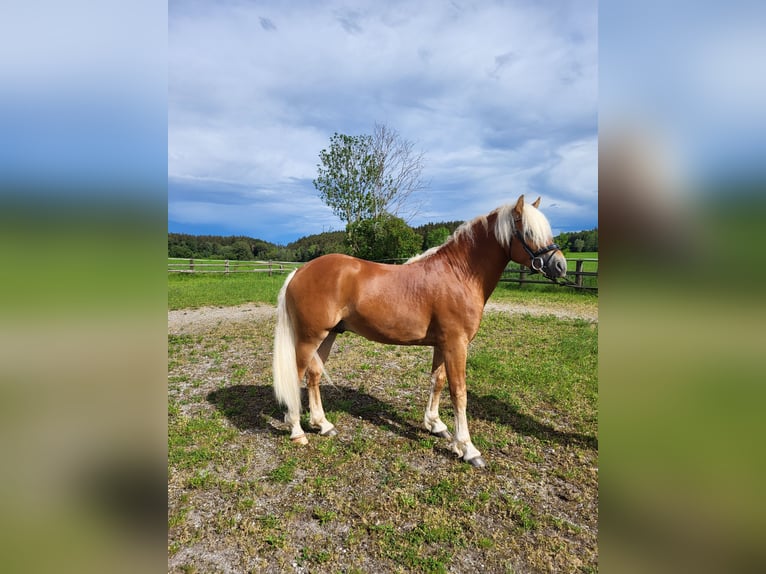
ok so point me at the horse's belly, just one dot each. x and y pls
(389, 332)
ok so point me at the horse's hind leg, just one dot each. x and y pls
(314, 372)
(431, 419)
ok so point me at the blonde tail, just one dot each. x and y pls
(287, 387)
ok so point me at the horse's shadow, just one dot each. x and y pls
(491, 409)
(253, 408)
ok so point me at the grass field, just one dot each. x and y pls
(190, 290)
(384, 495)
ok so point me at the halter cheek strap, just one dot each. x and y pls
(537, 262)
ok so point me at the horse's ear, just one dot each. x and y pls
(519, 207)
(537, 202)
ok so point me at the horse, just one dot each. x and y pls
(436, 299)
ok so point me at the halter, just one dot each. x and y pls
(537, 262)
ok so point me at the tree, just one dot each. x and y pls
(435, 236)
(367, 176)
(399, 177)
(347, 176)
(384, 237)
(241, 250)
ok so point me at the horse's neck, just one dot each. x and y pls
(481, 259)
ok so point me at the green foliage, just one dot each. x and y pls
(383, 238)
(347, 176)
(435, 237)
(236, 247)
(313, 246)
(577, 241)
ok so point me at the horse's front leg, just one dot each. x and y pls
(454, 359)
(431, 419)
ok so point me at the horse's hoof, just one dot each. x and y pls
(443, 434)
(477, 462)
(330, 432)
(302, 440)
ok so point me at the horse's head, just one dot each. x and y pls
(532, 244)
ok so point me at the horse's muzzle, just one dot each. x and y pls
(556, 266)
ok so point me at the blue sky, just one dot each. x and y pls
(500, 96)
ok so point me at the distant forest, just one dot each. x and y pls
(243, 248)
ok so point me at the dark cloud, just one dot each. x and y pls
(267, 24)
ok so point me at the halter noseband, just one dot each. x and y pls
(537, 262)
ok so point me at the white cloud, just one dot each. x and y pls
(575, 172)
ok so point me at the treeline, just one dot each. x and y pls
(577, 241)
(245, 248)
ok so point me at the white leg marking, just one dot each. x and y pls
(318, 418)
(431, 419)
(296, 433)
(462, 444)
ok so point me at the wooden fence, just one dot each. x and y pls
(521, 275)
(578, 279)
(178, 265)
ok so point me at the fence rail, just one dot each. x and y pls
(520, 275)
(512, 274)
(178, 265)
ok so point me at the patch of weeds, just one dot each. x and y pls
(177, 518)
(323, 484)
(441, 493)
(532, 456)
(195, 440)
(425, 548)
(268, 521)
(476, 502)
(285, 472)
(273, 535)
(327, 447)
(324, 516)
(179, 379)
(406, 500)
(201, 479)
(428, 442)
(563, 525)
(481, 443)
(522, 514)
(275, 539)
(315, 556)
(359, 442)
(484, 543)
(238, 373)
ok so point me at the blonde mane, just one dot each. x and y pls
(534, 225)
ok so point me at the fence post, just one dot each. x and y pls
(269, 268)
(522, 275)
(227, 267)
(578, 272)
(191, 264)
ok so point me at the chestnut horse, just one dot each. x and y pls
(436, 299)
